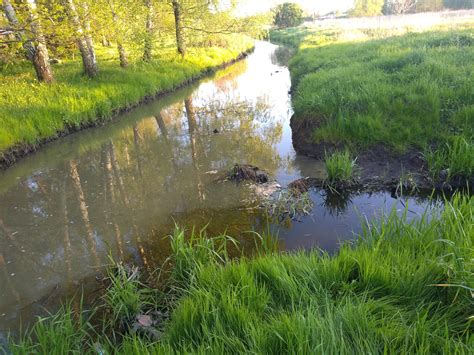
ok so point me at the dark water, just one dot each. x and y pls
(118, 190)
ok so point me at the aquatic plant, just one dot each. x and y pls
(126, 296)
(339, 167)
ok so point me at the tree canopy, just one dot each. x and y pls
(288, 15)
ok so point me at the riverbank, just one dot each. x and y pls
(401, 103)
(32, 114)
(365, 299)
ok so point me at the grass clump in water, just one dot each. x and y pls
(339, 167)
(402, 287)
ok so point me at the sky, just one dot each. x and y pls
(249, 7)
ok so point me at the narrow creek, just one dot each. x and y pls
(118, 189)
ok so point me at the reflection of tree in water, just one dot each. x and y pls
(67, 218)
(282, 56)
(226, 80)
(336, 202)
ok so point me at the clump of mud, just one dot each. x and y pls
(245, 172)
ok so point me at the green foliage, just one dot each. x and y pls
(339, 166)
(288, 15)
(367, 8)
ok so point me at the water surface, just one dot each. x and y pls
(118, 190)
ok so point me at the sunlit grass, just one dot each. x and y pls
(403, 287)
(403, 92)
(30, 111)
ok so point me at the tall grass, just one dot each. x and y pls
(402, 287)
(126, 296)
(455, 158)
(31, 111)
(403, 92)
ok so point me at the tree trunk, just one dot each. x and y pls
(180, 43)
(148, 48)
(88, 31)
(121, 50)
(41, 56)
(87, 50)
(19, 34)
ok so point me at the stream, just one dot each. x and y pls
(118, 190)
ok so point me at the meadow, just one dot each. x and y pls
(401, 287)
(32, 112)
(380, 87)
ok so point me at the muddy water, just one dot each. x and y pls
(117, 190)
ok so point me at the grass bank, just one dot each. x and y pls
(361, 89)
(400, 288)
(32, 113)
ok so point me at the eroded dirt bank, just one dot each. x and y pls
(377, 167)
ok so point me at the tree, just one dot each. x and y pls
(398, 7)
(288, 15)
(10, 14)
(148, 45)
(429, 5)
(41, 55)
(367, 8)
(177, 11)
(83, 39)
(121, 49)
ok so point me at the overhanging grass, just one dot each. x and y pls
(402, 288)
(31, 112)
(403, 92)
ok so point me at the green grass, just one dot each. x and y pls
(31, 111)
(455, 159)
(403, 287)
(403, 92)
(339, 166)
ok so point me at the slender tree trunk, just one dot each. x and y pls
(19, 34)
(148, 48)
(121, 49)
(178, 20)
(87, 50)
(41, 56)
(88, 31)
